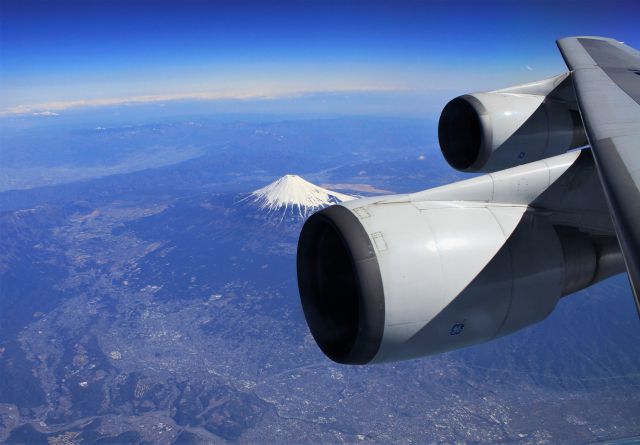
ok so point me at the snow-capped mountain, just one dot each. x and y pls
(293, 196)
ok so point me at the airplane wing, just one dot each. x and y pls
(606, 79)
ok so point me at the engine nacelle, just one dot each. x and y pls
(486, 132)
(402, 276)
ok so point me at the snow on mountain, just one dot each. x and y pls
(292, 194)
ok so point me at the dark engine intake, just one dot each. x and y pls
(340, 286)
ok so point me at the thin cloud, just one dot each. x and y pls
(45, 113)
(43, 109)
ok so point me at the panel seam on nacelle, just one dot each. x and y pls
(506, 314)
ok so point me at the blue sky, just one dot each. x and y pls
(59, 54)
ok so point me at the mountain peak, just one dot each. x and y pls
(295, 194)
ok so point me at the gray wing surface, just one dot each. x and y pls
(606, 79)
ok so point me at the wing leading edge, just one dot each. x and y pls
(606, 79)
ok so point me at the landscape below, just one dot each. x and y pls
(146, 298)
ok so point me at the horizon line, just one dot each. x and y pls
(52, 108)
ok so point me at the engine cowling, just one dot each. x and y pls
(486, 132)
(402, 276)
(405, 282)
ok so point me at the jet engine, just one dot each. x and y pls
(486, 132)
(402, 276)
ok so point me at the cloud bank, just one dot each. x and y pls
(45, 109)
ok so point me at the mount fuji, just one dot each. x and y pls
(293, 197)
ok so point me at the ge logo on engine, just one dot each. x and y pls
(456, 329)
